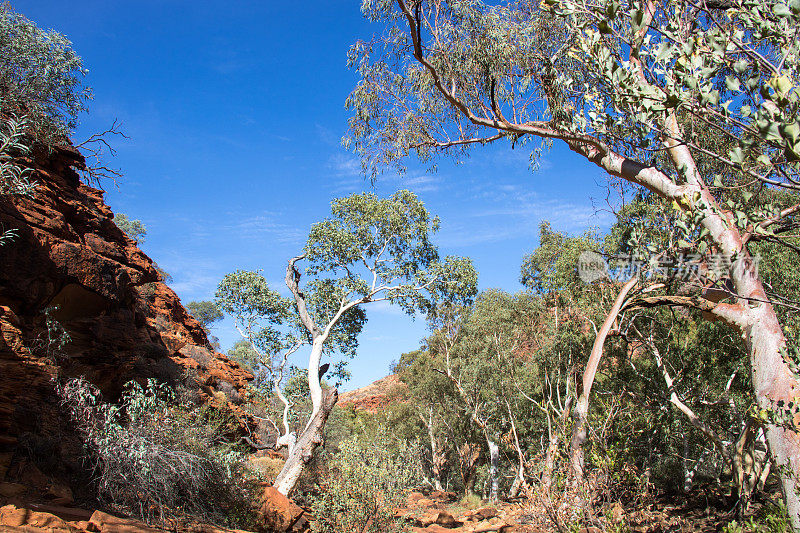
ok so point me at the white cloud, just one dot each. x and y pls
(520, 217)
(384, 308)
(267, 224)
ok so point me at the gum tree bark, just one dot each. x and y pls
(494, 465)
(438, 459)
(303, 450)
(519, 479)
(322, 402)
(581, 411)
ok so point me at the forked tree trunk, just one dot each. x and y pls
(519, 479)
(468, 455)
(303, 450)
(550, 459)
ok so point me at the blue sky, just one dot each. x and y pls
(234, 116)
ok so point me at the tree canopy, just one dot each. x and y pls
(133, 228)
(693, 103)
(41, 77)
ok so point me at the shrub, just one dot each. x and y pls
(40, 75)
(155, 458)
(51, 338)
(772, 518)
(368, 478)
(13, 178)
(134, 229)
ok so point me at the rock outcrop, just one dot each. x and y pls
(375, 396)
(49, 519)
(123, 322)
(437, 512)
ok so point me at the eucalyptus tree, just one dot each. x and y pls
(436, 407)
(496, 358)
(369, 250)
(42, 74)
(206, 312)
(675, 98)
(133, 228)
(14, 179)
(265, 321)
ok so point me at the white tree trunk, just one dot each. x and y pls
(314, 383)
(494, 464)
(581, 413)
(303, 451)
(437, 457)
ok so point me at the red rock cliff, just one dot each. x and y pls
(123, 321)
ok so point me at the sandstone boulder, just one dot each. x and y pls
(12, 516)
(106, 523)
(278, 513)
(441, 518)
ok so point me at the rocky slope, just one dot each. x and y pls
(375, 396)
(123, 321)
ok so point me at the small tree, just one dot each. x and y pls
(133, 228)
(41, 76)
(270, 332)
(206, 312)
(369, 250)
(155, 458)
(370, 478)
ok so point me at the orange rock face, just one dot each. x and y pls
(375, 396)
(124, 323)
(280, 514)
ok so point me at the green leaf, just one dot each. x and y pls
(732, 83)
(611, 9)
(782, 10)
(791, 132)
(665, 50)
(782, 85)
(764, 160)
(710, 97)
(736, 155)
(637, 18)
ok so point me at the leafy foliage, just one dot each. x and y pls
(368, 479)
(243, 353)
(14, 179)
(157, 458)
(51, 339)
(206, 312)
(383, 246)
(40, 76)
(133, 228)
